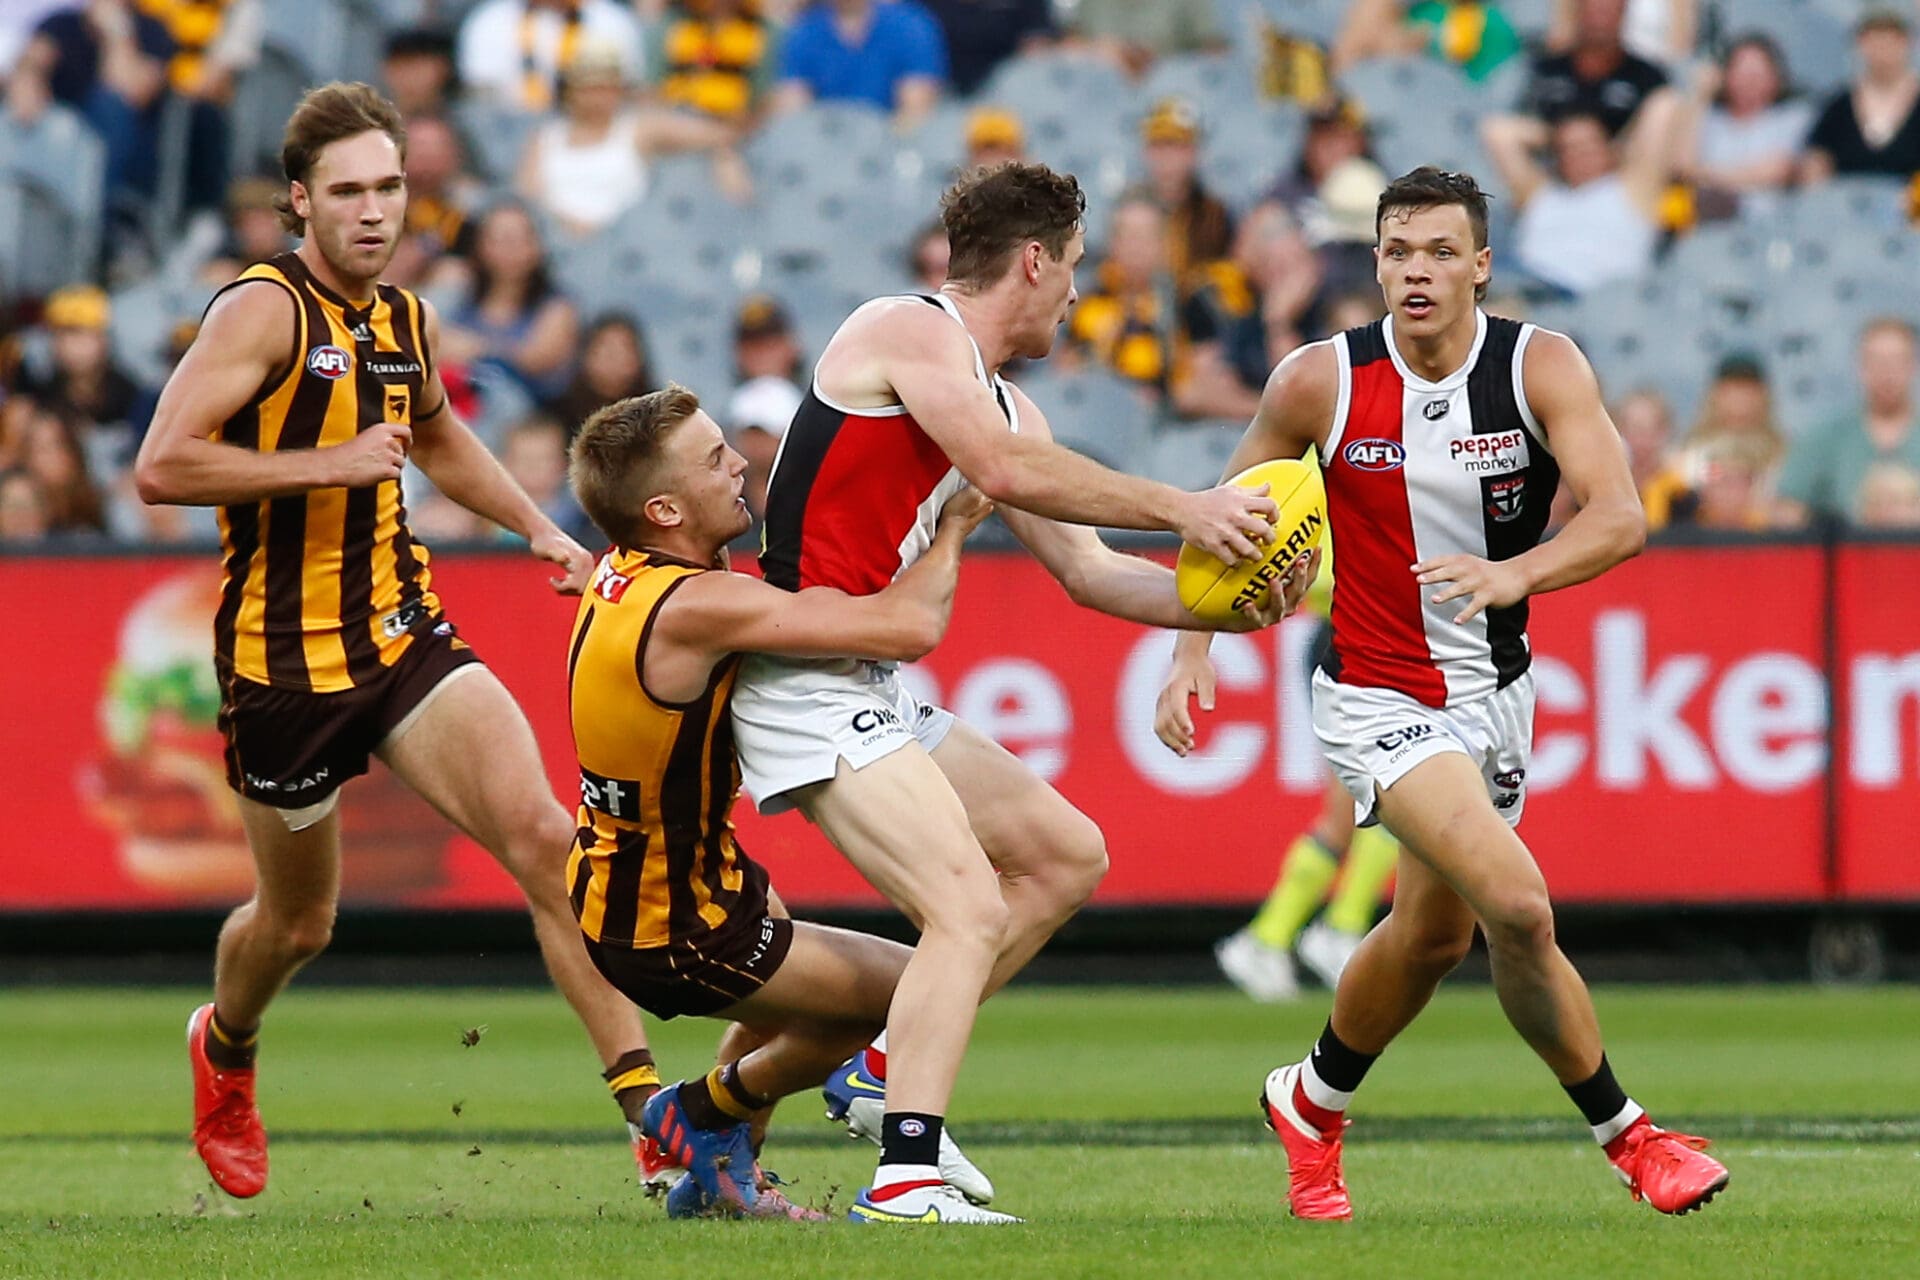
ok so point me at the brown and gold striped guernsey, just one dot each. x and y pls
(323, 590)
(656, 861)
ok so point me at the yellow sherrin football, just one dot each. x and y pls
(1213, 591)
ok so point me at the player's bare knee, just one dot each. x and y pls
(971, 912)
(302, 935)
(1440, 953)
(1078, 863)
(1519, 921)
(537, 846)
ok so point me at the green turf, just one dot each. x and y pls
(1120, 1121)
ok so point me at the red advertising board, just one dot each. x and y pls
(1681, 744)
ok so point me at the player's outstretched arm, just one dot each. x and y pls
(1101, 578)
(716, 614)
(246, 343)
(462, 468)
(928, 363)
(1610, 527)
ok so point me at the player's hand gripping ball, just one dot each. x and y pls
(1214, 591)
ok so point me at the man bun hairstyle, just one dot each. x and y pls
(614, 464)
(1429, 187)
(326, 116)
(992, 211)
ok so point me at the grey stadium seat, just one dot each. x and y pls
(1192, 455)
(1095, 413)
(60, 167)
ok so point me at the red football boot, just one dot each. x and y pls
(1315, 1187)
(1670, 1171)
(226, 1124)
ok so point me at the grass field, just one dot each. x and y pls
(1119, 1121)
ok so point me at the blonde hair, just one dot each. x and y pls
(615, 460)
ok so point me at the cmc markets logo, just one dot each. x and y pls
(329, 362)
(1374, 454)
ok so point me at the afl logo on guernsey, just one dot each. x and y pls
(329, 362)
(1374, 454)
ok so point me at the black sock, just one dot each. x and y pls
(910, 1137)
(1599, 1097)
(696, 1099)
(633, 1079)
(737, 1094)
(1339, 1066)
(229, 1048)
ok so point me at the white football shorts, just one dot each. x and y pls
(1374, 737)
(795, 720)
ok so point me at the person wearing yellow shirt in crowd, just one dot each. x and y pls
(1258, 958)
(213, 42)
(1129, 320)
(1199, 227)
(715, 57)
(1245, 313)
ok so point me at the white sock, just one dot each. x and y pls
(1605, 1133)
(1319, 1092)
(892, 1175)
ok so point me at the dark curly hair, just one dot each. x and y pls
(991, 212)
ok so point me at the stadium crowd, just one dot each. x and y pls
(1715, 196)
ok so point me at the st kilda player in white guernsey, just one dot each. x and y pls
(907, 407)
(1442, 433)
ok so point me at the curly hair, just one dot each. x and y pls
(991, 212)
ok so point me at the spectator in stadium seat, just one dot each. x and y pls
(443, 197)
(1889, 497)
(1336, 132)
(767, 365)
(513, 321)
(513, 51)
(52, 451)
(1128, 321)
(1134, 35)
(1472, 35)
(81, 383)
(927, 258)
(253, 232)
(613, 366)
(1662, 32)
(1344, 234)
(589, 165)
(890, 54)
(1596, 76)
(107, 61)
(1730, 490)
(982, 34)
(1245, 314)
(1873, 126)
(714, 57)
(1826, 467)
(215, 41)
(1199, 228)
(1595, 217)
(24, 519)
(1742, 138)
(1646, 428)
(417, 73)
(1739, 406)
(534, 453)
(994, 136)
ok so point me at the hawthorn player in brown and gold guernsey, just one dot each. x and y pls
(307, 390)
(656, 862)
(322, 588)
